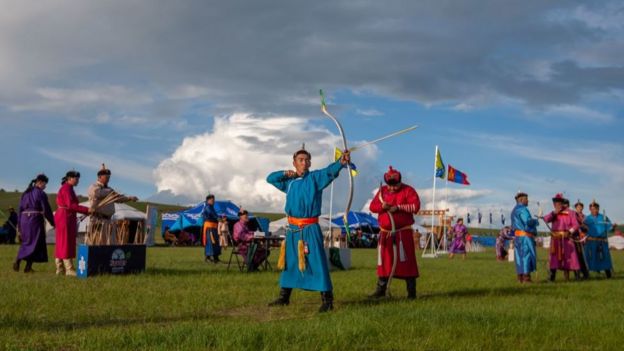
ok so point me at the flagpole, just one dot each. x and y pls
(331, 204)
(435, 155)
(444, 225)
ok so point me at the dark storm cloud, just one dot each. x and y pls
(271, 57)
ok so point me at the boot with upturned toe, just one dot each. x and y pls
(553, 275)
(16, 265)
(60, 268)
(380, 291)
(28, 268)
(69, 267)
(327, 298)
(283, 299)
(411, 288)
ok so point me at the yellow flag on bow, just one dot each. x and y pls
(338, 155)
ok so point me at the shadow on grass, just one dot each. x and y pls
(534, 289)
(61, 325)
(179, 271)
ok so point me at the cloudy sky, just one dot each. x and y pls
(182, 98)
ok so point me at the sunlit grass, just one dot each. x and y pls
(182, 303)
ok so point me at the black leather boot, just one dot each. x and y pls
(283, 299)
(28, 268)
(553, 274)
(577, 275)
(16, 265)
(411, 288)
(380, 291)
(328, 301)
(608, 273)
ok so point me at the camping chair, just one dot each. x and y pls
(251, 253)
(242, 264)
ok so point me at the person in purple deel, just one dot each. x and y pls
(34, 209)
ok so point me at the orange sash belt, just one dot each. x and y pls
(596, 239)
(302, 222)
(211, 225)
(560, 234)
(523, 233)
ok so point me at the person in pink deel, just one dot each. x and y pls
(67, 224)
(562, 251)
(243, 235)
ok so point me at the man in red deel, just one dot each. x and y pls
(399, 202)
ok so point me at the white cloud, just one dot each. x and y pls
(234, 160)
(455, 200)
(369, 112)
(464, 107)
(579, 113)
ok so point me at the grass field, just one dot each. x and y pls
(182, 303)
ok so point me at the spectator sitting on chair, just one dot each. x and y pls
(170, 238)
(244, 237)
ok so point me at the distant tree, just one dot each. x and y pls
(2, 190)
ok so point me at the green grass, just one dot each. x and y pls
(182, 303)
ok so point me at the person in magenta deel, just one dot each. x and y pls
(459, 233)
(562, 251)
(243, 235)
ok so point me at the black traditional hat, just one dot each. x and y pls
(72, 174)
(104, 171)
(558, 198)
(302, 151)
(594, 204)
(520, 194)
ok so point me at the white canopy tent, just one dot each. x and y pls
(279, 227)
(616, 242)
(122, 211)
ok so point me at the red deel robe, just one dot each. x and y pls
(408, 202)
(66, 221)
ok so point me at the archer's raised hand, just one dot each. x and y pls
(290, 174)
(346, 157)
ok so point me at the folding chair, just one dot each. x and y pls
(242, 264)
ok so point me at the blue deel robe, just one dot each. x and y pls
(303, 200)
(524, 246)
(597, 251)
(209, 214)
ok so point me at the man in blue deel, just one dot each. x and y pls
(524, 230)
(597, 244)
(210, 237)
(302, 255)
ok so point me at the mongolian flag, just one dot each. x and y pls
(503, 219)
(479, 216)
(338, 155)
(468, 217)
(457, 176)
(439, 165)
(490, 217)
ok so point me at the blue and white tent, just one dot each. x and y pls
(358, 219)
(192, 217)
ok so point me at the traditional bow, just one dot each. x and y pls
(344, 144)
(394, 243)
